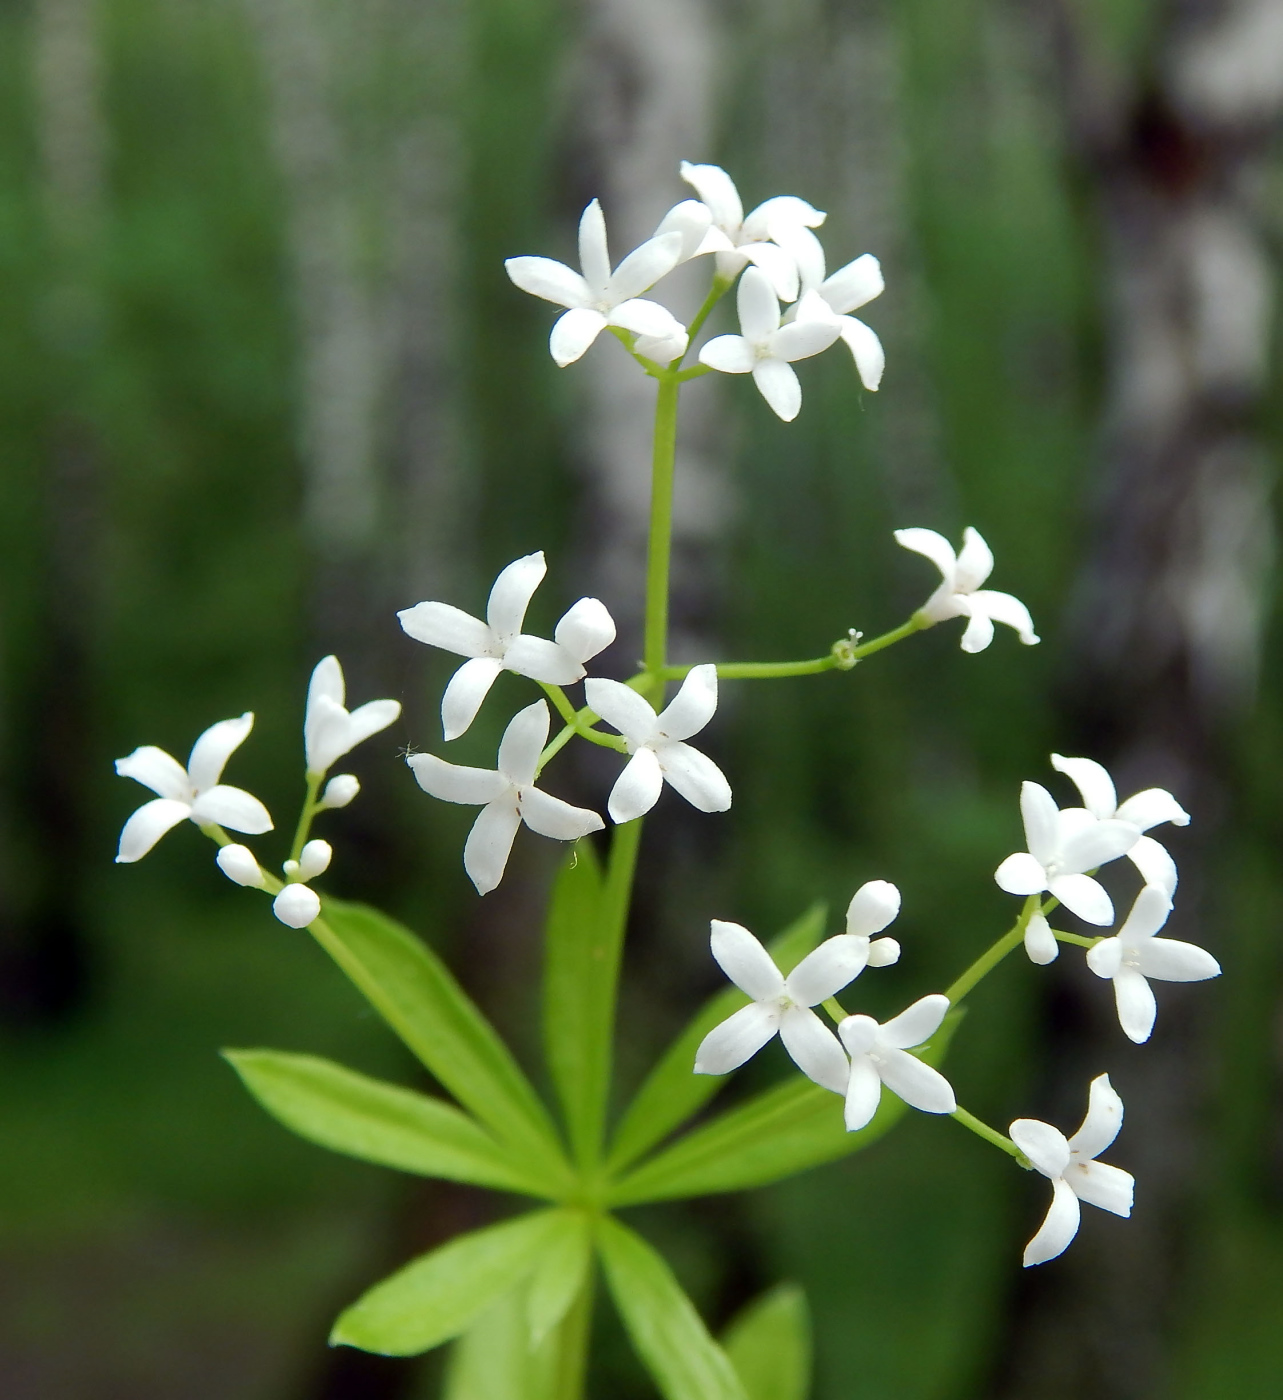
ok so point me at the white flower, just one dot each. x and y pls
(849, 288)
(1144, 810)
(599, 298)
(873, 906)
(499, 644)
(1134, 954)
(192, 793)
(1062, 846)
(957, 595)
(239, 865)
(329, 731)
(765, 348)
(738, 240)
(1040, 941)
(313, 860)
(296, 905)
(781, 1004)
(880, 1055)
(655, 742)
(507, 796)
(340, 790)
(1074, 1172)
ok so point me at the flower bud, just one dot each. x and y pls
(340, 790)
(872, 908)
(314, 859)
(1040, 942)
(239, 865)
(296, 906)
(883, 952)
(290, 869)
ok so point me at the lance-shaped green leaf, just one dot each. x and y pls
(776, 1134)
(769, 1344)
(384, 1123)
(578, 1003)
(439, 1295)
(414, 991)
(562, 1272)
(673, 1092)
(666, 1331)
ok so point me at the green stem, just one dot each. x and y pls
(310, 809)
(573, 1335)
(897, 634)
(983, 1130)
(721, 285)
(579, 722)
(759, 670)
(1076, 938)
(834, 1007)
(990, 959)
(660, 544)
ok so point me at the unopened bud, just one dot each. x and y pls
(340, 790)
(314, 859)
(883, 952)
(296, 905)
(239, 865)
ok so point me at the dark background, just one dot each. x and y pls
(263, 381)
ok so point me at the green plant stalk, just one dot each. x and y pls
(992, 956)
(660, 541)
(310, 809)
(573, 1334)
(991, 1135)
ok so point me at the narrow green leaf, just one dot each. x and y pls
(778, 1133)
(769, 1344)
(666, 1331)
(439, 1295)
(561, 1273)
(579, 974)
(672, 1091)
(493, 1359)
(414, 991)
(380, 1122)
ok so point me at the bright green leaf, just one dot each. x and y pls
(439, 1295)
(778, 1133)
(561, 1273)
(769, 1344)
(493, 1359)
(666, 1331)
(380, 1122)
(414, 991)
(673, 1091)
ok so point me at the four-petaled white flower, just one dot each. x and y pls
(765, 348)
(848, 289)
(1075, 1174)
(1062, 847)
(598, 297)
(880, 1055)
(193, 793)
(499, 644)
(757, 239)
(1133, 955)
(655, 741)
(960, 594)
(781, 1004)
(507, 796)
(329, 730)
(1145, 809)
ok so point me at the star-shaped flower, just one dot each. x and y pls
(765, 348)
(499, 644)
(329, 730)
(738, 240)
(655, 741)
(507, 796)
(1134, 955)
(1145, 809)
(1075, 1174)
(781, 1004)
(1062, 846)
(193, 793)
(848, 289)
(959, 593)
(880, 1055)
(598, 297)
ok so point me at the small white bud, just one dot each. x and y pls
(883, 952)
(291, 869)
(239, 865)
(873, 906)
(314, 859)
(296, 906)
(1040, 942)
(340, 790)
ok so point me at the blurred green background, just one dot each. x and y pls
(263, 381)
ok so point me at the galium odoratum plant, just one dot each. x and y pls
(517, 1296)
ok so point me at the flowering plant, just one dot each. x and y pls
(519, 1294)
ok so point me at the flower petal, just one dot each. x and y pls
(1151, 807)
(452, 782)
(916, 1083)
(917, 1023)
(523, 742)
(327, 680)
(695, 776)
(585, 629)
(214, 747)
(1106, 957)
(1011, 612)
(511, 594)
(489, 843)
(806, 251)
(978, 632)
(863, 1092)
(758, 306)
(1148, 914)
(716, 188)
(1103, 1119)
(621, 706)
(745, 961)
(933, 546)
(731, 354)
(155, 769)
(1044, 1145)
(776, 265)
(637, 788)
(779, 212)
(1040, 942)
(1093, 782)
(542, 660)
(594, 253)
(233, 807)
(552, 817)
(296, 906)
(778, 384)
(1155, 864)
(572, 334)
(549, 279)
(368, 720)
(325, 733)
(693, 705)
(850, 287)
(644, 266)
(644, 317)
(814, 1048)
(1137, 1009)
(827, 969)
(468, 687)
(691, 219)
(1021, 874)
(736, 1039)
(884, 952)
(147, 825)
(801, 339)
(873, 906)
(866, 350)
(859, 1034)
(1101, 1185)
(1096, 845)
(1082, 895)
(1058, 1228)
(975, 561)
(1170, 960)
(450, 628)
(1041, 818)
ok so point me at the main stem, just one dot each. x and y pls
(660, 542)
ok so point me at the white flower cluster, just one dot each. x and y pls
(773, 251)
